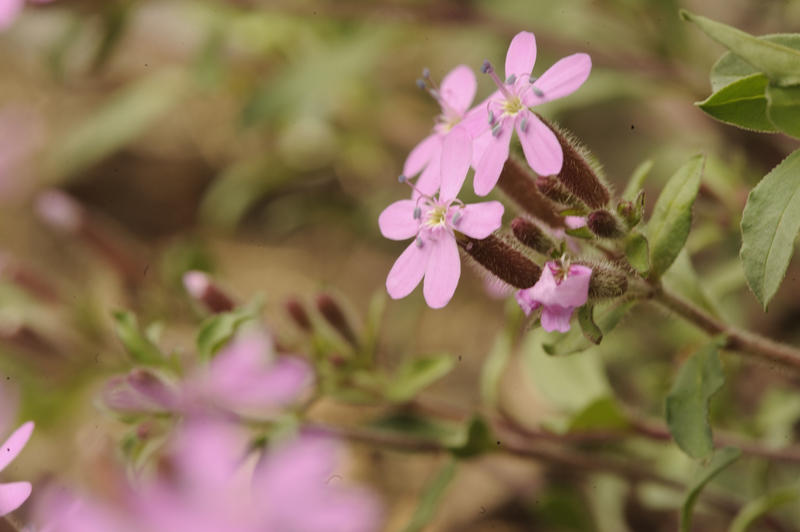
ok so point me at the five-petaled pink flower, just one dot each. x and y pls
(508, 109)
(560, 290)
(454, 96)
(433, 221)
(13, 494)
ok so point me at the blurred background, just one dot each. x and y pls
(259, 140)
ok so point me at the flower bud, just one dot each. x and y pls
(577, 174)
(204, 290)
(604, 224)
(502, 260)
(533, 236)
(150, 385)
(519, 185)
(298, 313)
(606, 282)
(632, 211)
(552, 189)
(335, 316)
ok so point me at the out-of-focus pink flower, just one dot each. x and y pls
(13, 494)
(10, 10)
(434, 252)
(508, 109)
(454, 96)
(559, 291)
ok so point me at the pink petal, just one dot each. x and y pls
(476, 121)
(544, 291)
(561, 79)
(456, 158)
(575, 222)
(431, 177)
(574, 290)
(521, 55)
(408, 270)
(458, 88)
(282, 384)
(556, 318)
(479, 145)
(397, 220)
(444, 270)
(421, 155)
(494, 157)
(13, 495)
(14, 444)
(479, 220)
(541, 147)
(9, 11)
(526, 302)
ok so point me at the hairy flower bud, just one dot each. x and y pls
(505, 262)
(519, 185)
(604, 224)
(554, 190)
(533, 236)
(577, 175)
(606, 282)
(335, 316)
(298, 313)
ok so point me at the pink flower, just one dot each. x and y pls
(508, 109)
(13, 494)
(559, 291)
(455, 96)
(434, 252)
(10, 10)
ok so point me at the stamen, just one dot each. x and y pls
(426, 73)
(456, 217)
(491, 117)
(417, 213)
(532, 79)
(486, 68)
(523, 125)
(419, 241)
(496, 130)
(435, 94)
(537, 91)
(421, 85)
(510, 80)
(401, 178)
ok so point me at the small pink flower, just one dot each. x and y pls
(454, 96)
(559, 292)
(433, 221)
(13, 494)
(508, 109)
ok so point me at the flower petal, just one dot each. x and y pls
(458, 88)
(408, 270)
(561, 79)
(479, 220)
(542, 149)
(14, 444)
(421, 155)
(397, 220)
(456, 159)
(431, 177)
(556, 318)
(521, 55)
(476, 121)
(526, 302)
(443, 272)
(574, 290)
(493, 160)
(13, 495)
(545, 289)
(479, 145)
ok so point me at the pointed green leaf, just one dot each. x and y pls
(575, 341)
(784, 109)
(586, 320)
(722, 459)
(218, 329)
(770, 223)
(138, 346)
(637, 253)
(477, 439)
(431, 497)
(753, 510)
(743, 103)
(780, 63)
(669, 225)
(416, 374)
(686, 406)
(412, 425)
(730, 67)
(636, 181)
(580, 232)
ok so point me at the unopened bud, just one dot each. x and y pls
(60, 211)
(519, 185)
(203, 289)
(335, 316)
(533, 236)
(604, 224)
(502, 260)
(606, 282)
(554, 190)
(298, 313)
(632, 211)
(153, 388)
(577, 174)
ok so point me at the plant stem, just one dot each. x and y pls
(744, 342)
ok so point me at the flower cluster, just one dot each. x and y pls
(479, 137)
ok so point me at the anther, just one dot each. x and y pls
(426, 73)
(496, 130)
(401, 178)
(419, 241)
(421, 85)
(537, 91)
(456, 217)
(486, 68)
(491, 117)
(523, 125)
(417, 213)
(511, 79)
(532, 79)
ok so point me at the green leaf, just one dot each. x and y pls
(638, 253)
(753, 510)
(636, 181)
(780, 63)
(575, 341)
(431, 497)
(416, 374)
(136, 343)
(682, 279)
(591, 331)
(730, 67)
(496, 362)
(602, 414)
(686, 406)
(722, 459)
(124, 118)
(669, 225)
(784, 109)
(580, 232)
(475, 440)
(743, 103)
(770, 223)
(411, 425)
(218, 329)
